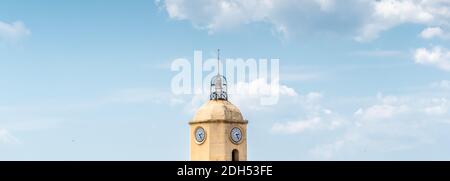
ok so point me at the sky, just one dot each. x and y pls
(91, 80)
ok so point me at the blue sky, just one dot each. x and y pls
(90, 80)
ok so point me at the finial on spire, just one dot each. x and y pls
(218, 84)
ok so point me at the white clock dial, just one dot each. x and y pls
(236, 135)
(200, 135)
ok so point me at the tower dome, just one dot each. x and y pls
(220, 111)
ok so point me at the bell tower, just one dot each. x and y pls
(218, 132)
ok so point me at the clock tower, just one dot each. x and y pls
(218, 132)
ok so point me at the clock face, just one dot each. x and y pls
(236, 135)
(200, 135)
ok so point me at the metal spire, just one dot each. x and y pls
(218, 61)
(218, 84)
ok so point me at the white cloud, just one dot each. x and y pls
(437, 107)
(315, 116)
(328, 151)
(325, 121)
(358, 134)
(387, 14)
(436, 110)
(402, 133)
(399, 10)
(433, 32)
(376, 112)
(297, 126)
(380, 111)
(216, 15)
(379, 141)
(437, 57)
(12, 32)
(259, 93)
(362, 19)
(313, 96)
(7, 138)
(387, 107)
(381, 124)
(326, 5)
(285, 16)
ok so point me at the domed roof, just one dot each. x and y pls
(218, 110)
